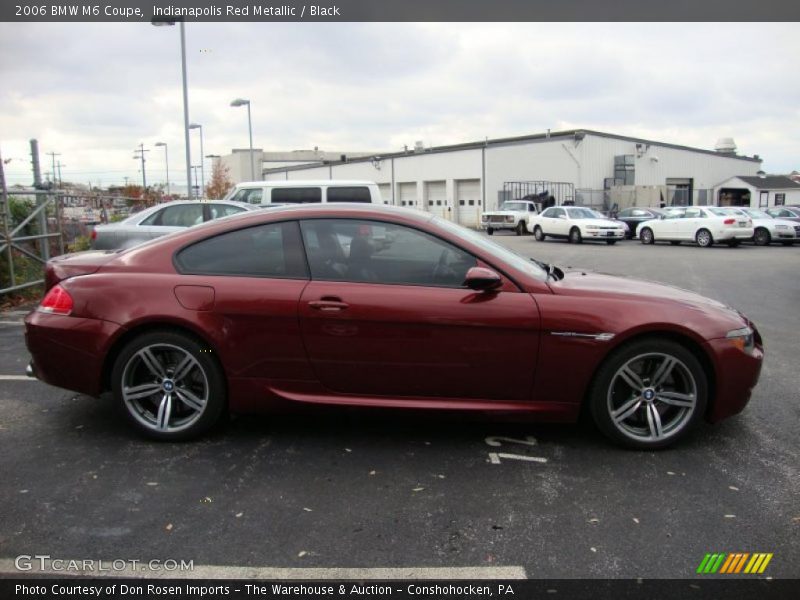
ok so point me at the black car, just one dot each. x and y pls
(637, 214)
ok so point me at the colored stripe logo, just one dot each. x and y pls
(734, 562)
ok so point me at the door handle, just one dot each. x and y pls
(329, 304)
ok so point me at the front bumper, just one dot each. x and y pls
(604, 234)
(489, 225)
(736, 374)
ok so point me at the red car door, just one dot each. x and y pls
(385, 314)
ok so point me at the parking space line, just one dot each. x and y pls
(17, 378)
(7, 567)
(17, 323)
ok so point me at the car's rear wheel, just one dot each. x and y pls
(704, 238)
(490, 230)
(646, 236)
(521, 228)
(169, 386)
(575, 236)
(538, 234)
(762, 237)
(649, 394)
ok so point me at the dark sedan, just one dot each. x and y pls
(635, 215)
(383, 307)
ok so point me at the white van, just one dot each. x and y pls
(303, 192)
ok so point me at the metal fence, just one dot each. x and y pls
(619, 197)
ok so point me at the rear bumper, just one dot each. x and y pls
(737, 374)
(68, 352)
(734, 233)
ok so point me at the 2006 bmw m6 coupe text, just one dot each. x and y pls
(383, 307)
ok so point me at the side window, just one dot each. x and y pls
(254, 196)
(349, 194)
(300, 195)
(378, 252)
(558, 212)
(181, 215)
(271, 250)
(638, 212)
(531, 208)
(241, 195)
(217, 211)
(693, 213)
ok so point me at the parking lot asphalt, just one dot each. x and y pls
(351, 488)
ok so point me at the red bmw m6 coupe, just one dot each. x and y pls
(384, 307)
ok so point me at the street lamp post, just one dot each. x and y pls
(166, 163)
(242, 102)
(161, 22)
(202, 160)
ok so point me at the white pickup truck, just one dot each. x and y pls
(514, 215)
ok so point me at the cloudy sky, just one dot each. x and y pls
(93, 92)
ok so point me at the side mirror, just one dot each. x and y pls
(482, 279)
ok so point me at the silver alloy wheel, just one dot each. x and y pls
(762, 237)
(538, 234)
(165, 388)
(704, 238)
(647, 236)
(652, 397)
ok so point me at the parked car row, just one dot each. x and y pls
(703, 225)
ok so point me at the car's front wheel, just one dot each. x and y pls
(762, 237)
(538, 234)
(490, 230)
(649, 394)
(646, 236)
(521, 228)
(169, 386)
(575, 236)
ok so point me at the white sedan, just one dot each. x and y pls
(703, 225)
(576, 223)
(770, 229)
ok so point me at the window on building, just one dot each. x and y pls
(624, 169)
(763, 199)
(780, 199)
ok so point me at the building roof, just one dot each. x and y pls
(770, 182)
(537, 137)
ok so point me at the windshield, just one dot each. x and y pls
(756, 214)
(581, 213)
(514, 206)
(597, 214)
(498, 251)
(725, 212)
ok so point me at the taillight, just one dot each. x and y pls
(729, 221)
(94, 234)
(57, 301)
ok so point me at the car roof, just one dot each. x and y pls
(302, 182)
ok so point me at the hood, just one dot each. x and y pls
(583, 283)
(602, 223)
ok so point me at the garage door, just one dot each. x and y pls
(386, 192)
(468, 201)
(436, 198)
(407, 194)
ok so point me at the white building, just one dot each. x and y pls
(758, 191)
(584, 166)
(239, 161)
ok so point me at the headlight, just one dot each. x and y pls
(781, 227)
(484, 217)
(742, 338)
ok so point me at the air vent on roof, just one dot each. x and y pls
(725, 146)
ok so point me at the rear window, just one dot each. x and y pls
(349, 194)
(298, 195)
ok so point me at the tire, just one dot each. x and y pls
(179, 408)
(643, 418)
(490, 230)
(575, 236)
(675, 242)
(646, 236)
(704, 238)
(611, 242)
(761, 237)
(538, 234)
(521, 228)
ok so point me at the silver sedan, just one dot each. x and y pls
(162, 219)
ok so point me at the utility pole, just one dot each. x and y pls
(140, 151)
(40, 198)
(60, 181)
(53, 156)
